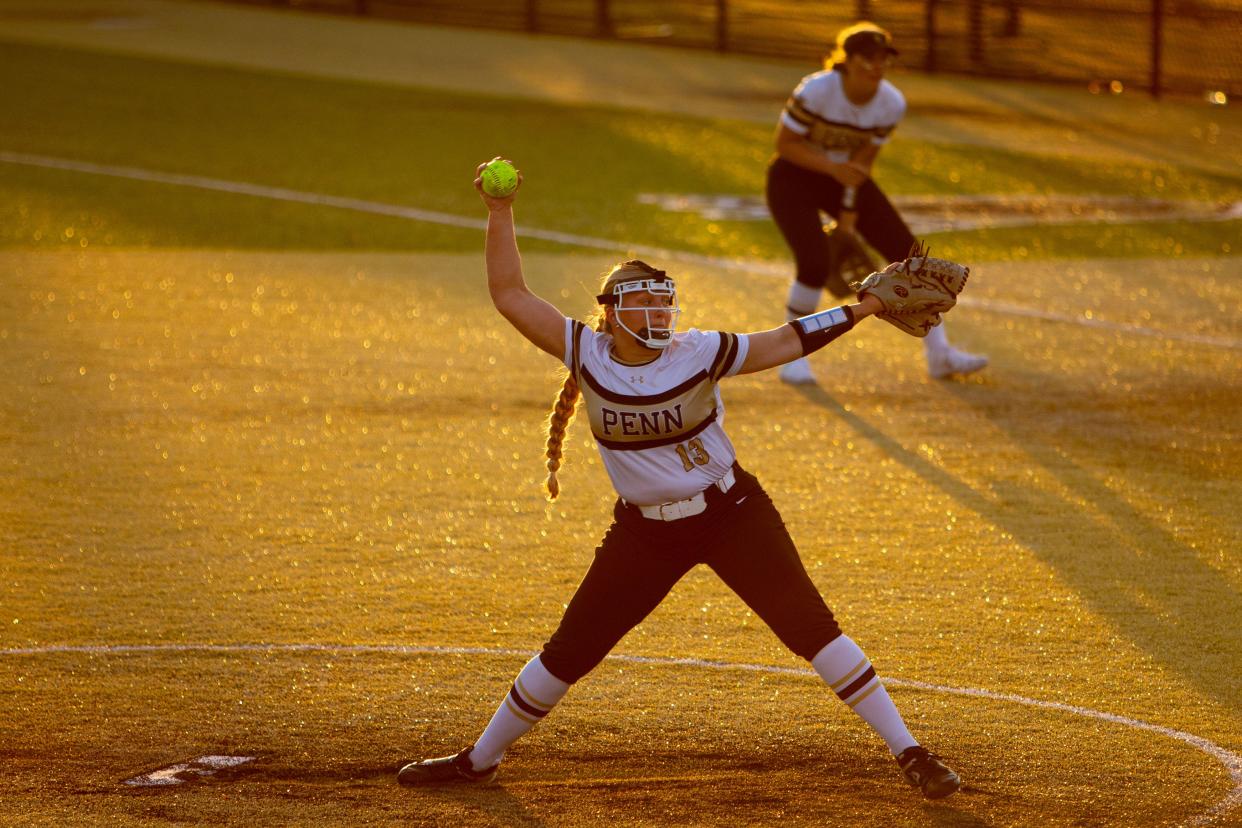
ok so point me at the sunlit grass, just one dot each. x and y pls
(585, 167)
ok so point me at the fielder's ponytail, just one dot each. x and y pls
(836, 60)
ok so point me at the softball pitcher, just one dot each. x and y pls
(653, 400)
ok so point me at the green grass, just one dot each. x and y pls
(419, 147)
(1160, 240)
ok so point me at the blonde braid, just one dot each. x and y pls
(562, 414)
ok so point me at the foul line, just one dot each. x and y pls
(433, 217)
(1231, 761)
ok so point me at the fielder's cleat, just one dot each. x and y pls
(445, 771)
(946, 362)
(797, 372)
(925, 771)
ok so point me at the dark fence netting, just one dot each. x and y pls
(1182, 46)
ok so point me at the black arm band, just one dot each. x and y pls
(818, 329)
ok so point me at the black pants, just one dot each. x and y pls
(795, 198)
(639, 561)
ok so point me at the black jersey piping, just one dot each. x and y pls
(575, 347)
(801, 114)
(634, 399)
(724, 360)
(721, 350)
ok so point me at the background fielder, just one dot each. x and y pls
(828, 137)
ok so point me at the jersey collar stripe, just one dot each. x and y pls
(636, 399)
(639, 445)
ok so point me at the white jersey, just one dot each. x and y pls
(658, 425)
(820, 111)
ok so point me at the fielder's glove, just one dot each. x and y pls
(848, 262)
(915, 292)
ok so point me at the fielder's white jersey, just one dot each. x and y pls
(658, 425)
(819, 110)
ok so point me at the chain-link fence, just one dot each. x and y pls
(1183, 46)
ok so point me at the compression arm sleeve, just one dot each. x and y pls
(818, 329)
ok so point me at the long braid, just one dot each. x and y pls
(562, 412)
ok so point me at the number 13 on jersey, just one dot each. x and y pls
(693, 454)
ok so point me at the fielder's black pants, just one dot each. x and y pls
(797, 195)
(741, 537)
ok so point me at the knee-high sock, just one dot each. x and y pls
(534, 692)
(803, 300)
(848, 671)
(936, 339)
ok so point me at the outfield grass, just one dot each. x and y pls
(414, 146)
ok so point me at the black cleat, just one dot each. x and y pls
(445, 771)
(925, 771)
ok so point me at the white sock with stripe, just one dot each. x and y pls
(534, 692)
(846, 669)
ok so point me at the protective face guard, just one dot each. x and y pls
(649, 335)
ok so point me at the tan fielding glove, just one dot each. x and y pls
(915, 292)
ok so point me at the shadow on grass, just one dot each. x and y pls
(499, 805)
(942, 814)
(1143, 580)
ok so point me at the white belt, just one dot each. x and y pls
(689, 507)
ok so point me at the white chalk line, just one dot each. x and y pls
(941, 213)
(1231, 761)
(751, 266)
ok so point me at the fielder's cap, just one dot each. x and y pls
(869, 43)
